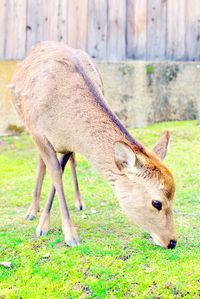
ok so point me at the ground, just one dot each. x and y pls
(115, 259)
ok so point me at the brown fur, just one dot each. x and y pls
(58, 93)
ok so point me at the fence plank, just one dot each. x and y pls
(72, 23)
(83, 24)
(55, 20)
(97, 29)
(62, 29)
(116, 36)
(136, 29)
(106, 29)
(156, 29)
(3, 27)
(193, 30)
(176, 14)
(77, 23)
(35, 22)
(15, 29)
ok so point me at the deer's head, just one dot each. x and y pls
(146, 189)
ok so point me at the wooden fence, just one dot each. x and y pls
(106, 29)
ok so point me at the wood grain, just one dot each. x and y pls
(176, 25)
(97, 29)
(106, 29)
(15, 23)
(136, 29)
(116, 30)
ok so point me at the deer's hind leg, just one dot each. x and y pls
(79, 203)
(48, 155)
(34, 207)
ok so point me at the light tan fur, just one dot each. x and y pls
(35, 204)
(58, 93)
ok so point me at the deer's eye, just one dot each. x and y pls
(157, 204)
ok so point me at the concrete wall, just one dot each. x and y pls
(143, 92)
(139, 92)
(7, 113)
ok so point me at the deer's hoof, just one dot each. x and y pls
(43, 226)
(30, 217)
(40, 232)
(80, 206)
(32, 211)
(72, 242)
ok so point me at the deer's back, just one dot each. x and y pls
(53, 96)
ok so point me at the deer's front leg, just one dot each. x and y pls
(49, 157)
(44, 221)
(34, 207)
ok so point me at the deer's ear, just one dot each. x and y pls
(125, 158)
(162, 145)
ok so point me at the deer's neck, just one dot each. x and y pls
(104, 129)
(98, 142)
(90, 127)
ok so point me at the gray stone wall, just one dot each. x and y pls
(138, 92)
(142, 92)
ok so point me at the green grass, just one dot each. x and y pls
(115, 259)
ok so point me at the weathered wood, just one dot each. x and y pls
(77, 23)
(97, 29)
(176, 38)
(35, 22)
(193, 30)
(83, 24)
(116, 32)
(55, 20)
(156, 29)
(136, 29)
(3, 27)
(72, 23)
(62, 30)
(106, 29)
(15, 29)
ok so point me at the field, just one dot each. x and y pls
(115, 259)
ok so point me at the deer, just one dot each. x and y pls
(57, 92)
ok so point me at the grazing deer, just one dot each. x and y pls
(57, 92)
(34, 207)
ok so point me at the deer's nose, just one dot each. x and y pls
(172, 244)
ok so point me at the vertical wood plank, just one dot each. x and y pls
(49, 19)
(82, 11)
(35, 21)
(72, 23)
(62, 29)
(77, 23)
(3, 27)
(97, 29)
(15, 29)
(156, 29)
(116, 36)
(176, 28)
(107, 29)
(136, 29)
(55, 20)
(193, 30)
(45, 21)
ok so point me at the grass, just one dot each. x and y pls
(115, 259)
